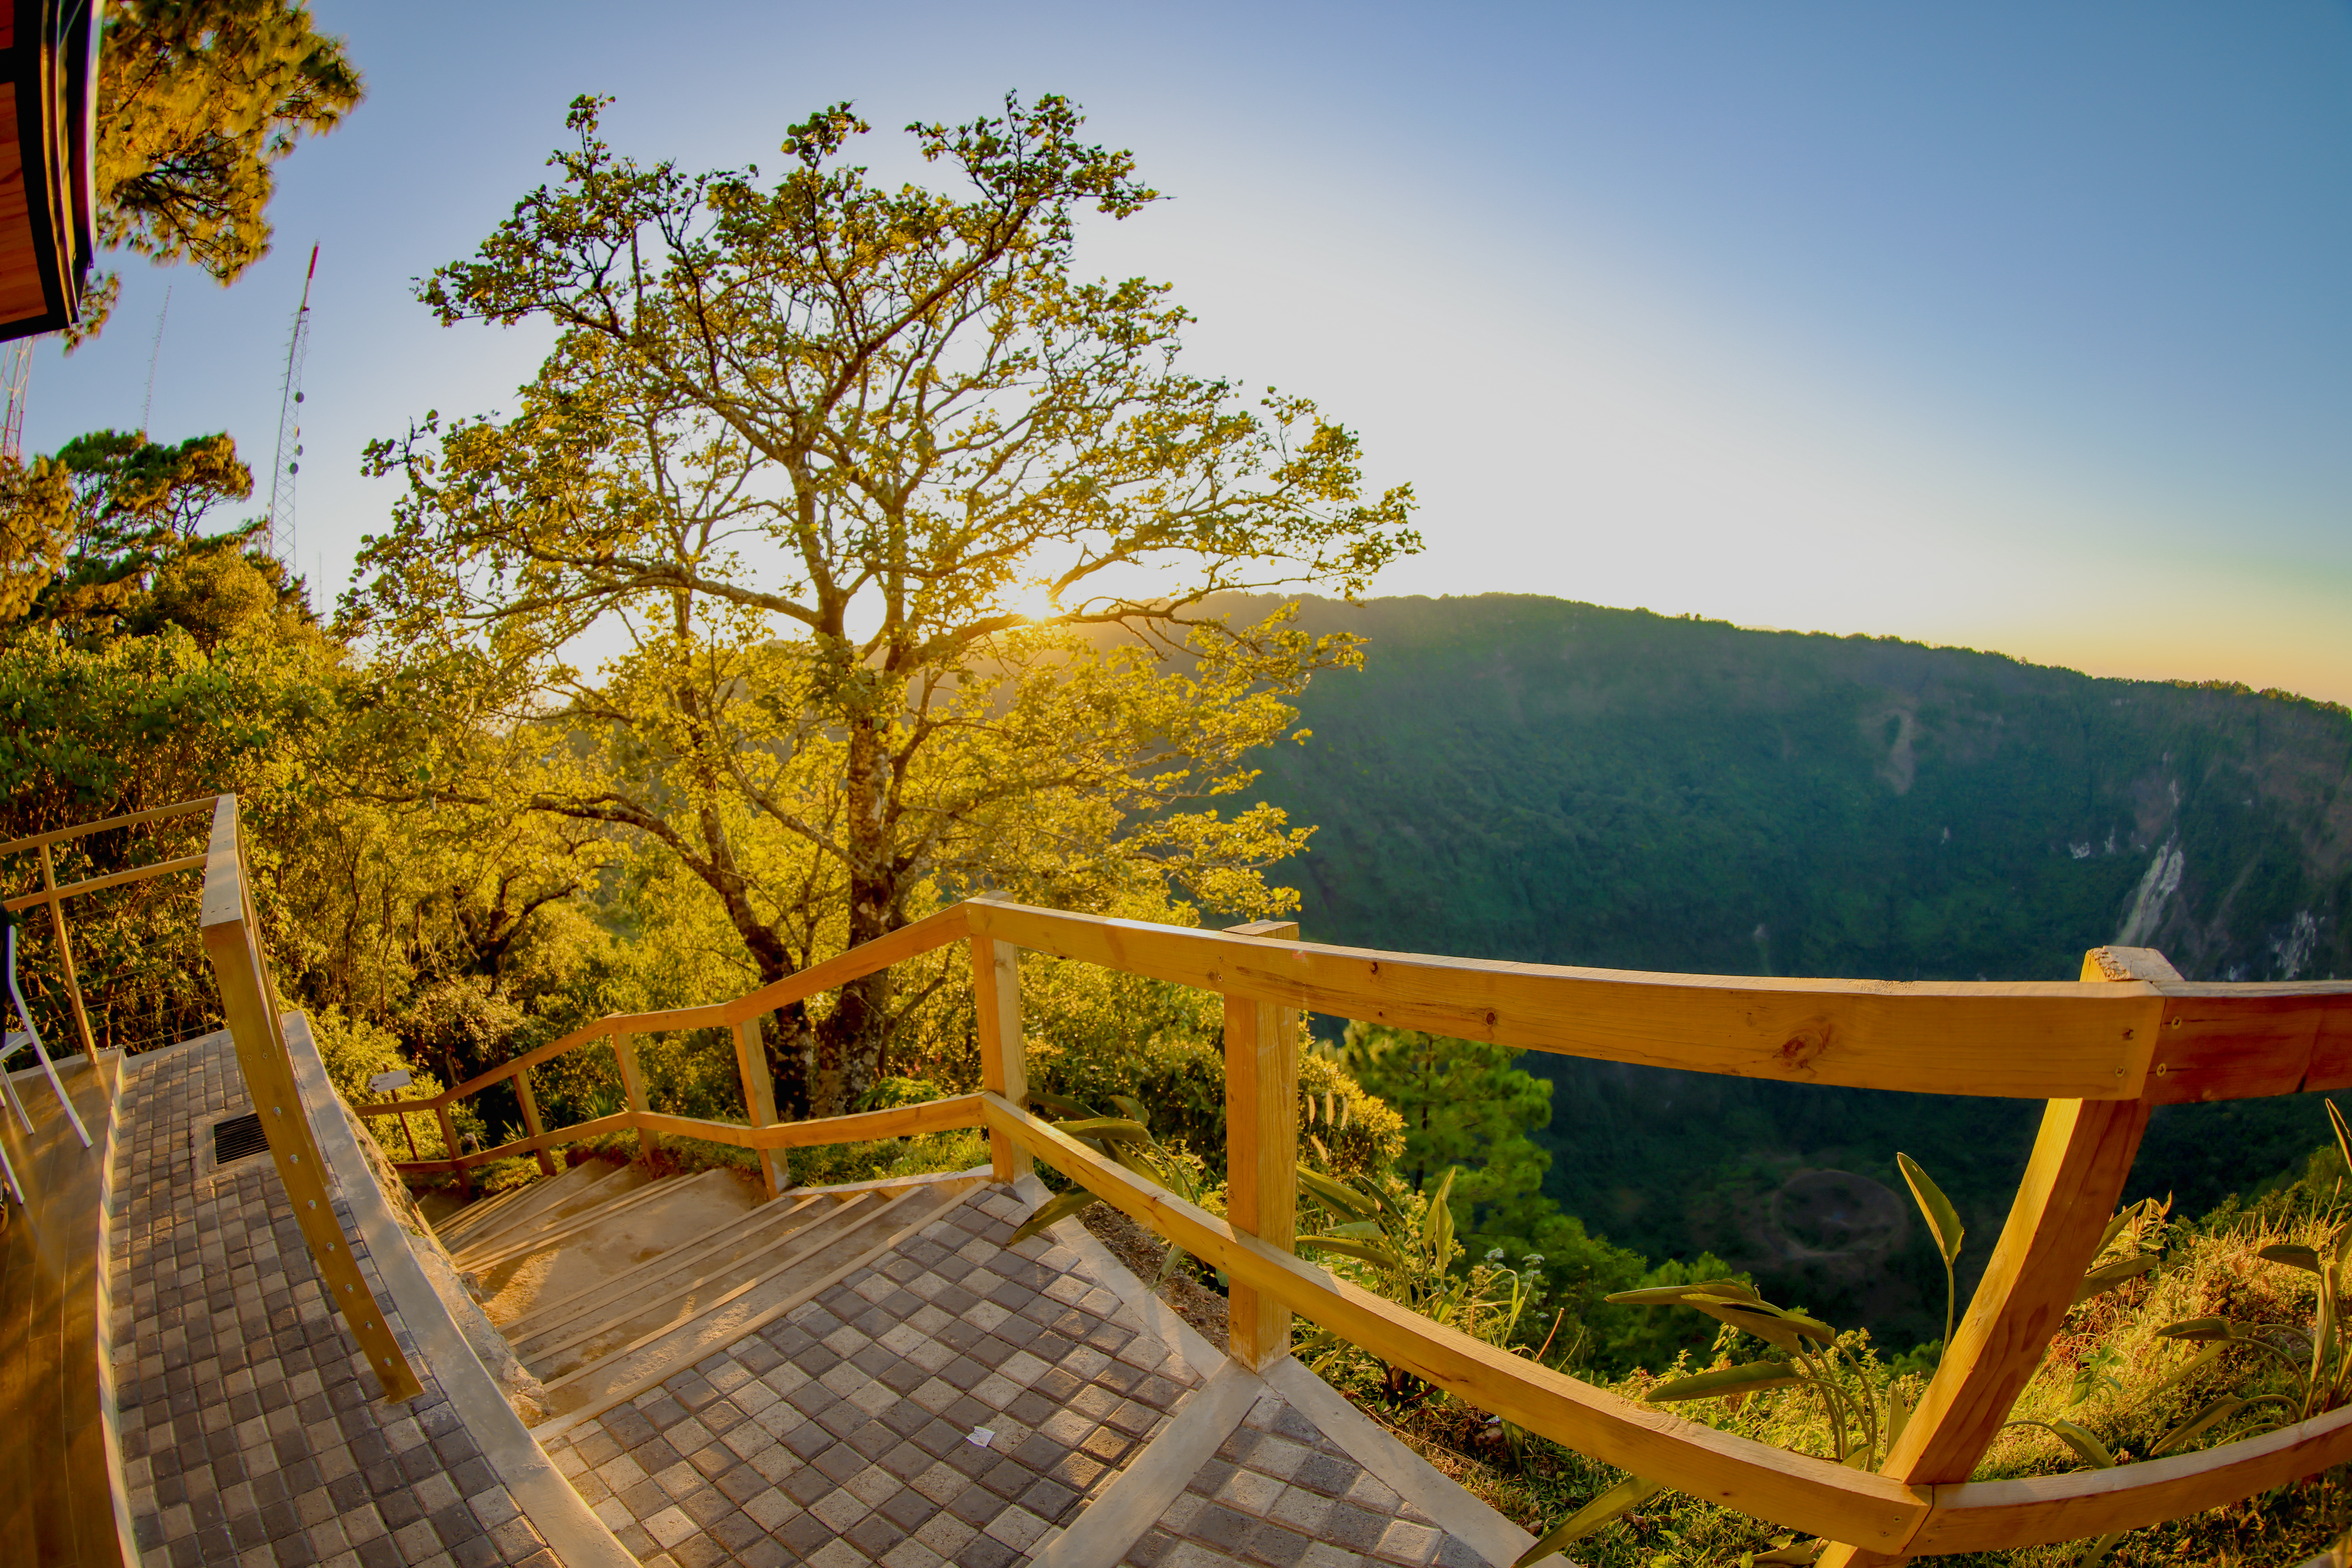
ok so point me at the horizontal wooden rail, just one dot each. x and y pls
(112, 879)
(2027, 1040)
(864, 1127)
(2035, 1040)
(908, 941)
(1988, 1516)
(83, 830)
(1797, 1490)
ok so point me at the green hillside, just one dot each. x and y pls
(1528, 778)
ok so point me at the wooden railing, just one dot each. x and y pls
(2102, 1051)
(250, 1006)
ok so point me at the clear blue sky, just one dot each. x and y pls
(2022, 327)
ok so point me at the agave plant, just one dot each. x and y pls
(1126, 1139)
(1414, 1253)
(1863, 1407)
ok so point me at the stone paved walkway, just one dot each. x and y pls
(1280, 1492)
(962, 1401)
(248, 1428)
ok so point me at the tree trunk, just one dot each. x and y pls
(847, 1043)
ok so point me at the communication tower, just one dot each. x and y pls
(279, 539)
(15, 373)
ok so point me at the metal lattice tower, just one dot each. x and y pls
(279, 537)
(15, 374)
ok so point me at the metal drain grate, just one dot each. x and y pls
(237, 1137)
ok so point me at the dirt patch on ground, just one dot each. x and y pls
(1144, 1255)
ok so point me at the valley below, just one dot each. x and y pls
(1546, 780)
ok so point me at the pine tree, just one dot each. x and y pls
(1464, 1106)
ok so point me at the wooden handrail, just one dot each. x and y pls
(112, 879)
(862, 1127)
(908, 941)
(2131, 1035)
(2026, 1040)
(82, 830)
(232, 938)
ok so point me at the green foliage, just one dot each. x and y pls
(196, 100)
(777, 411)
(1588, 785)
(1466, 1110)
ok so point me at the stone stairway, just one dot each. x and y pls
(607, 1280)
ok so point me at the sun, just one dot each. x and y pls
(1034, 601)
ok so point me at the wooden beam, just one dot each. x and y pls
(1003, 1059)
(1990, 1516)
(2036, 1040)
(81, 830)
(2072, 1180)
(55, 896)
(759, 1100)
(633, 1084)
(865, 1127)
(249, 1005)
(1261, 1149)
(531, 1123)
(452, 1156)
(65, 958)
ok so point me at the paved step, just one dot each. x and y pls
(592, 1365)
(554, 1319)
(477, 1221)
(576, 1191)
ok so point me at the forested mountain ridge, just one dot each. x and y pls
(1518, 777)
(1513, 776)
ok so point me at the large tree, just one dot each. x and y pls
(906, 526)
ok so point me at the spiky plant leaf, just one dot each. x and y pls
(1365, 1252)
(1058, 1208)
(2196, 1328)
(1109, 1128)
(1624, 1498)
(2204, 1421)
(1943, 1220)
(2101, 1280)
(2303, 1257)
(1751, 1378)
(1067, 1107)
(1337, 1197)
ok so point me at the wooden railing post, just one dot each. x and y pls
(531, 1125)
(64, 957)
(633, 1084)
(1003, 1060)
(449, 1150)
(248, 1002)
(1261, 1149)
(2072, 1182)
(760, 1101)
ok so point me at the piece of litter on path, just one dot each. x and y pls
(981, 1437)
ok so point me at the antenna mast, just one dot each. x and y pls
(15, 372)
(279, 536)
